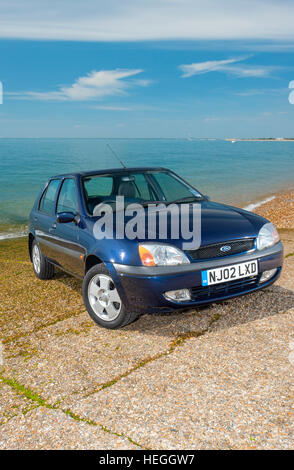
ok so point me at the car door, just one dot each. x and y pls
(69, 253)
(45, 217)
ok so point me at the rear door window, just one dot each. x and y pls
(48, 200)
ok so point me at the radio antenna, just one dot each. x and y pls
(116, 156)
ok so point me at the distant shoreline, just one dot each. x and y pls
(260, 140)
(190, 138)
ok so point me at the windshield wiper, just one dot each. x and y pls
(187, 199)
(146, 203)
(180, 200)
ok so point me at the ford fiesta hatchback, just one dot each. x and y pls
(87, 224)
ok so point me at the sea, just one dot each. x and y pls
(242, 173)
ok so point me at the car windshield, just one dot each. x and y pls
(137, 187)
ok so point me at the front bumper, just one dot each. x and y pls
(142, 288)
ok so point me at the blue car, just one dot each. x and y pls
(77, 225)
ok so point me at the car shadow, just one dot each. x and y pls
(272, 301)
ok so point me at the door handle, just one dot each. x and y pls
(35, 219)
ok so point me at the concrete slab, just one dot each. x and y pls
(12, 403)
(43, 428)
(76, 357)
(232, 388)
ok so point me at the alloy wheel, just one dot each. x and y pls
(37, 258)
(104, 298)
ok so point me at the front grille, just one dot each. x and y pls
(214, 251)
(223, 289)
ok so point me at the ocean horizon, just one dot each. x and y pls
(244, 173)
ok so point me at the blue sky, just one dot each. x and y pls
(164, 68)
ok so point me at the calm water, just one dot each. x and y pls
(234, 173)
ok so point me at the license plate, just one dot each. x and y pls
(229, 273)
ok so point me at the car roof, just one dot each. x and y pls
(109, 171)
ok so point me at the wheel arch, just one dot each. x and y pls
(91, 261)
(31, 238)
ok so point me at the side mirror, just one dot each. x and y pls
(65, 217)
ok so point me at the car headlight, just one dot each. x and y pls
(268, 236)
(161, 255)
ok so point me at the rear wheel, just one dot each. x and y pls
(102, 299)
(42, 268)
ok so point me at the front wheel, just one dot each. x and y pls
(102, 299)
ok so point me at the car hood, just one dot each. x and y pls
(218, 223)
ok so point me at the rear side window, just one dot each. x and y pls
(67, 200)
(47, 202)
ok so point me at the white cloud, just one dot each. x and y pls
(226, 66)
(249, 70)
(133, 20)
(204, 67)
(95, 85)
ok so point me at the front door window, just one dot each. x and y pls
(67, 200)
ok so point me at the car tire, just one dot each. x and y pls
(102, 300)
(42, 268)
